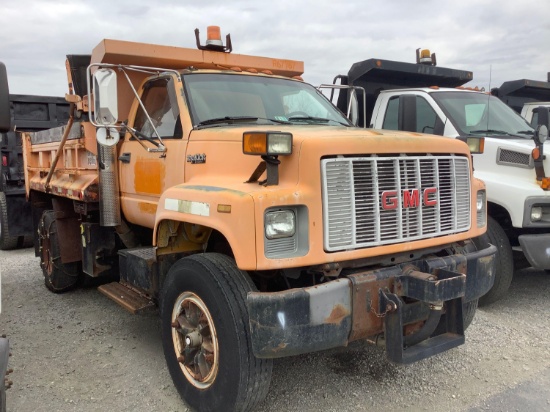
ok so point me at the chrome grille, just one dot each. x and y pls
(370, 201)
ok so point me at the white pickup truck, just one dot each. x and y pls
(425, 98)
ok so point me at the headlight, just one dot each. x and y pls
(536, 213)
(280, 224)
(481, 202)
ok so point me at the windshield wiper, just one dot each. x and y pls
(228, 119)
(528, 132)
(235, 119)
(315, 119)
(492, 131)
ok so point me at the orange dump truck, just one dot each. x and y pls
(232, 195)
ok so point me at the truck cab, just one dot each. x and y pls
(426, 98)
(530, 112)
(525, 97)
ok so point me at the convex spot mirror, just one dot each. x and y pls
(105, 97)
(107, 136)
(541, 133)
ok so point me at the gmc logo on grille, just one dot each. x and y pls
(411, 198)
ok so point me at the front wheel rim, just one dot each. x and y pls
(195, 340)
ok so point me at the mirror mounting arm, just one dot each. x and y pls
(160, 147)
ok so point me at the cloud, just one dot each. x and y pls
(498, 40)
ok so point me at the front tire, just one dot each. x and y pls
(206, 335)
(504, 261)
(468, 312)
(58, 277)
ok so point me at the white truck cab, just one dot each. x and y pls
(529, 111)
(525, 96)
(413, 97)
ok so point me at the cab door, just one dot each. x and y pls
(145, 175)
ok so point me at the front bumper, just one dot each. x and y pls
(536, 248)
(371, 302)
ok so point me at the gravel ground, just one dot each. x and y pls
(81, 352)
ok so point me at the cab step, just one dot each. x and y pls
(126, 297)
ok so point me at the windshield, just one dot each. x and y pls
(220, 99)
(482, 114)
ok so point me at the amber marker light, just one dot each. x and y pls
(545, 183)
(267, 143)
(224, 208)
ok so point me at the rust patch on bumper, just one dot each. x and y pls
(365, 300)
(338, 314)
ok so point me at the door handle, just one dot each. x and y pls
(125, 157)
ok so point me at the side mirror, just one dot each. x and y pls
(5, 115)
(353, 107)
(105, 97)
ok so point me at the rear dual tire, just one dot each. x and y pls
(59, 277)
(7, 242)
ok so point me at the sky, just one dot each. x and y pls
(498, 40)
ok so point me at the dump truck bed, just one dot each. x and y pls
(375, 75)
(515, 93)
(76, 173)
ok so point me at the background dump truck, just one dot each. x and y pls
(236, 198)
(429, 99)
(525, 97)
(4, 342)
(28, 113)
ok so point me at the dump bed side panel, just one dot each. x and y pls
(76, 173)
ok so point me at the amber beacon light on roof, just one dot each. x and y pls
(214, 40)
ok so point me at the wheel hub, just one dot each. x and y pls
(195, 340)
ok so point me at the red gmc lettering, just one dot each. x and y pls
(427, 192)
(411, 198)
(389, 200)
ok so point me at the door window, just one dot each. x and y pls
(427, 120)
(157, 103)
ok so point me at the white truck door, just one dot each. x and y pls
(429, 116)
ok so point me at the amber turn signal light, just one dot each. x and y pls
(267, 143)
